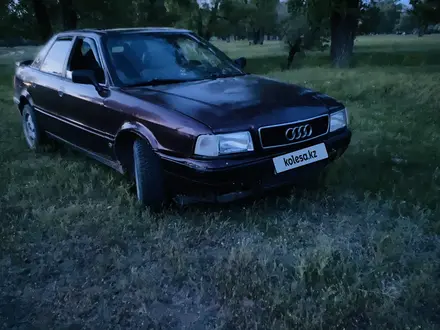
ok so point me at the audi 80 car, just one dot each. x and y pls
(175, 113)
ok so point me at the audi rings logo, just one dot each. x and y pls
(298, 132)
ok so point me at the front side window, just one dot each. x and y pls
(141, 58)
(85, 57)
(41, 54)
(56, 57)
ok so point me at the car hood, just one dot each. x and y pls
(241, 102)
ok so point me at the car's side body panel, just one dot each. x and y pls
(78, 114)
(88, 118)
(64, 108)
(167, 130)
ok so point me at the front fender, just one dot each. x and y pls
(124, 140)
(140, 130)
(28, 97)
(24, 98)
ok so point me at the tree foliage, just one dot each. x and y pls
(380, 16)
(407, 22)
(303, 24)
(425, 12)
(339, 18)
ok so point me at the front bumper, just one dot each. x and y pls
(224, 180)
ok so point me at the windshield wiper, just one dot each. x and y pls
(157, 81)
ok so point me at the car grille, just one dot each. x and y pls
(292, 133)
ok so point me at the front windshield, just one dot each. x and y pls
(142, 58)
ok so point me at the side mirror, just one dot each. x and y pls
(23, 63)
(86, 77)
(241, 62)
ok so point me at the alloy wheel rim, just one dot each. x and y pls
(29, 129)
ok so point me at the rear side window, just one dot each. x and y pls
(56, 57)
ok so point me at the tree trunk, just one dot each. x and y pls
(207, 35)
(343, 32)
(256, 36)
(42, 19)
(199, 18)
(293, 49)
(69, 15)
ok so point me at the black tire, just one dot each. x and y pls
(33, 135)
(148, 175)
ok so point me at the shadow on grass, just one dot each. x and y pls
(409, 181)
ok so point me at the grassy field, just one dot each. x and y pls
(361, 253)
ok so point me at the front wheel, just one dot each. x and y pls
(148, 175)
(32, 133)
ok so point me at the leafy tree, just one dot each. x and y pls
(426, 12)
(380, 16)
(236, 20)
(370, 18)
(262, 15)
(390, 11)
(6, 18)
(42, 18)
(69, 14)
(294, 27)
(106, 13)
(203, 18)
(339, 17)
(151, 12)
(407, 22)
(305, 26)
(344, 19)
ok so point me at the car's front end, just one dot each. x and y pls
(230, 166)
(238, 133)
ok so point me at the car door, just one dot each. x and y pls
(95, 125)
(46, 84)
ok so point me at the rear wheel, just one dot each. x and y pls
(148, 175)
(32, 133)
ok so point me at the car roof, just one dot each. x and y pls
(117, 31)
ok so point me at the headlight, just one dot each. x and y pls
(222, 144)
(338, 119)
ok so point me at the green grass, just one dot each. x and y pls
(364, 252)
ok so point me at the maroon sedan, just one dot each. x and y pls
(173, 111)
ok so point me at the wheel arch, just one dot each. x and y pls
(127, 134)
(25, 98)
